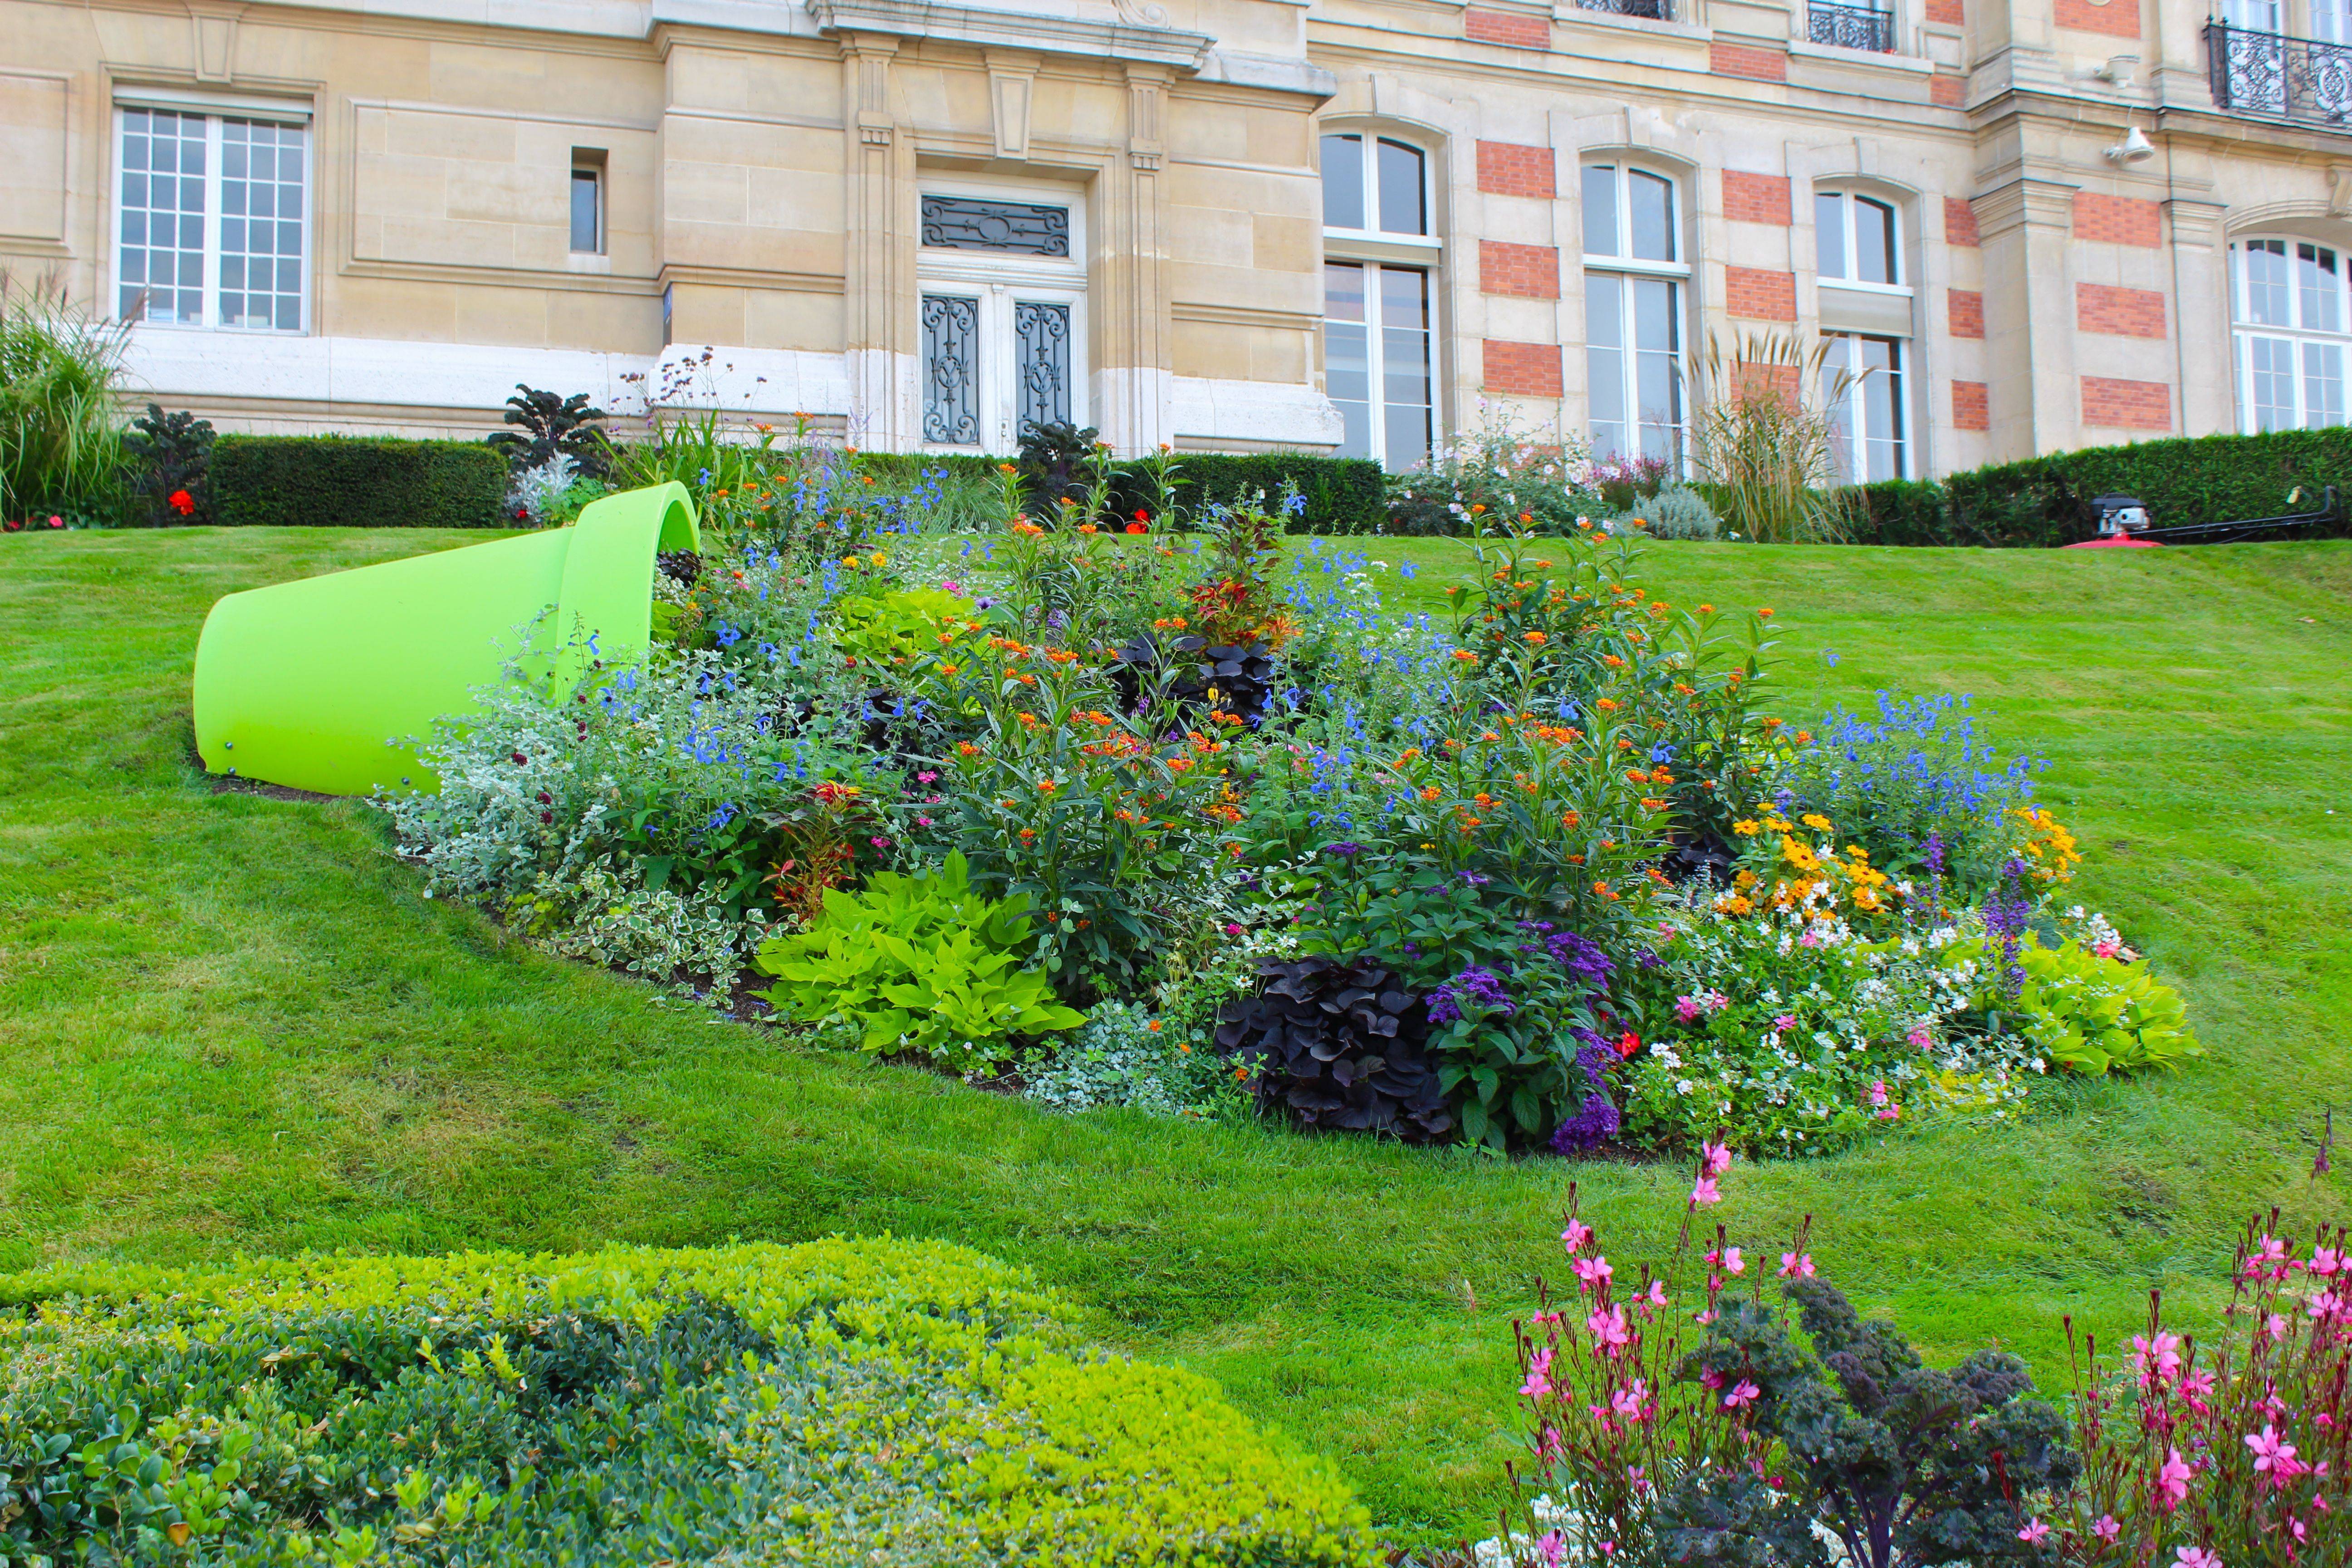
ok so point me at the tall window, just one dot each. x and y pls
(1865, 311)
(1002, 317)
(210, 220)
(1861, 384)
(1378, 336)
(1633, 279)
(2288, 298)
(587, 203)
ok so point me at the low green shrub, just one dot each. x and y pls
(1343, 495)
(2089, 1011)
(917, 963)
(835, 1403)
(345, 481)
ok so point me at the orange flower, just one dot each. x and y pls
(1605, 705)
(1706, 609)
(1046, 786)
(1137, 527)
(1432, 793)
(1534, 639)
(1571, 819)
(1764, 615)
(948, 668)
(1153, 1026)
(1027, 834)
(1466, 656)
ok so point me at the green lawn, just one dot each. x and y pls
(231, 1023)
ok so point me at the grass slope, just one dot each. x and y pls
(231, 1023)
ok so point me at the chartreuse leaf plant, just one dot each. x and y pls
(919, 964)
(2091, 1014)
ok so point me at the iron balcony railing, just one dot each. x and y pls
(1648, 10)
(1851, 27)
(2301, 80)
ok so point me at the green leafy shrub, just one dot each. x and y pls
(2092, 1014)
(344, 482)
(1678, 512)
(1336, 495)
(921, 964)
(893, 628)
(1120, 1058)
(835, 1403)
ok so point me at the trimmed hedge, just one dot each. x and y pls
(357, 481)
(2045, 501)
(1344, 495)
(835, 1403)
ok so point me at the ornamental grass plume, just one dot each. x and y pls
(2231, 1452)
(1769, 453)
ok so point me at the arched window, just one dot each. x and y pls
(2288, 299)
(1377, 306)
(1865, 315)
(1634, 275)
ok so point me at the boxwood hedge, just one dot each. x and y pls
(833, 1403)
(357, 481)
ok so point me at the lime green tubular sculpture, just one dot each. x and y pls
(325, 684)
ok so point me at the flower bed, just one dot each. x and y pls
(1131, 807)
(833, 1403)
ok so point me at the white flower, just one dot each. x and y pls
(1683, 1086)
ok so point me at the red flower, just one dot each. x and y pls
(180, 502)
(55, 521)
(1137, 527)
(1142, 515)
(13, 526)
(1628, 1043)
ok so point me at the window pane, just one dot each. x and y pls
(1604, 360)
(267, 290)
(1343, 182)
(1874, 241)
(1829, 234)
(2316, 274)
(1347, 352)
(1657, 365)
(2270, 383)
(1402, 210)
(2266, 302)
(1343, 291)
(950, 370)
(1599, 210)
(2323, 384)
(1651, 205)
(1838, 396)
(584, 190)
(1406, 365)
(1882, 398)
(162, 217)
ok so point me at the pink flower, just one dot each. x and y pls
(1787, 1021)
(1231, 930)
(1716, 1158)
(2172, 1481)
(1574, 1238)
(1742, 1392)
(1657, 1296)
(2106, 947)
(1809, 939)
(2275, 1454)
(1878, 1092)
(1609, 1330)
(2034, 1532)
(1687, 1008)
(1552, 1548)
(1704, 1193)
(2275, 1326)
(1920, 1038)
(1729, 1260)
(2325, 1304)
(2108, 1528)
(1593, 1272)
(2273, 1251)
(2327, 1260)
(2197, 1557)
(922, 822)
(1631, 1401)
(1710, 1378)
(1538, 1383)
(2158, 1360)
(1796, 1266)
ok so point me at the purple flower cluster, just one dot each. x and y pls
(1599, 1120)
(2006, 909)
(1481, 988)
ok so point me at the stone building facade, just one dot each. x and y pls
(1339, 225)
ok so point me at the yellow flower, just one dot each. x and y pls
(1815, 819)
(1745, 829)
(878, 558)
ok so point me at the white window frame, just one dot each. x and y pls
(2303, 341)
(1001, 282)
(214, 112)
(1843, 358)
(1619, 272)
(1376, 250)
(602, 221)
(1847, 199)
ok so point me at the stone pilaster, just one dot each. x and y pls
(1135, 379)
(2026, 228)
(2200, 316)
(879, 288)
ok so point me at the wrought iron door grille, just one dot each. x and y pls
(1041, 337)
(950, 370)
(971, 223)
(1648, 10)
(1851, 27)
(2302, 81)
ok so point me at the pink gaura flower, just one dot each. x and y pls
(2275, 1454)
(1704, 1193)
(2197, 1557)
(1715, 1158)
(1552, 1548)
(1538, 1383)
(1657, 1296)
(1631, 1401)
(1574, 1238)
(2034, 1532)
(1609, 1330)
(1593, 1272)
(2327, 1260)
(2271, 1258)
(2108, 1528)
(2172, 1481)
(1796, 1266)
(2326, 1304)
(2158, 1360)
(1729, 1260)
(2275, 1325)
(1742, 1392)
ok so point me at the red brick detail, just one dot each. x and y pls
(1946, 13)
(2120, 312)
(1746, 60)
(1529, 272)
(1516, 28)
(2118, 220)
(1756, 198)
(1530, 370)
(2112, 404)
(2115, 18)
(1971, 410)
(1764, 383)
(1960, 223)
(1965, 310)
(1508, 169)
(1760, 295)
(1946, 91)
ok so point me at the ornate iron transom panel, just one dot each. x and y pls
(1041, 337)
(951, 370)
(973, 223)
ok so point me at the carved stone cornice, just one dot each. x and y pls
(1046, 33)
